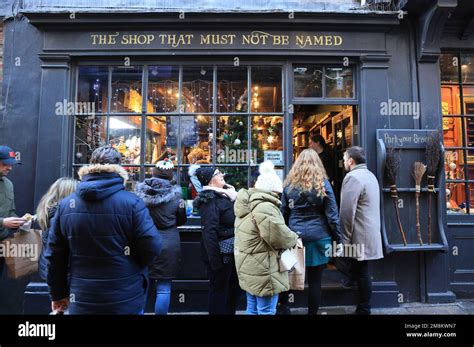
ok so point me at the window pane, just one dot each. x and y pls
(470, 131)
(468, 98)
(232, 94)
(92, 87)
(267, 139)
(235, 176)
(467, 68)
(266, 89)
(196, 139)
(90, 134)
(456, 198)
(450, 100)
(163, 88)
(452, 131)
(471, 192)
(454, 164)
(232, 139)
(470, 167)
(449, 66)
(308, 81)
(127, 90)
(160, 139)
(339, 83)
(124, 136)
(197, 89)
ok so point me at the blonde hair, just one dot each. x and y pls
(307, 173)
(63, 187)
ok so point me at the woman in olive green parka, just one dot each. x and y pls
(255, 251)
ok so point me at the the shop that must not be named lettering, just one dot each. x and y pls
(254, 38)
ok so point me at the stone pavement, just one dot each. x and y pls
(460, 307)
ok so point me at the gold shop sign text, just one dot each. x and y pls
(253, 39)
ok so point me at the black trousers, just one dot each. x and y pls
(315, 275)
(360, 274)
(224, 290)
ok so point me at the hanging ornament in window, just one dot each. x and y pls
(237, 142)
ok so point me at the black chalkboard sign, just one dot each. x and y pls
(188, 131)
(411, 145)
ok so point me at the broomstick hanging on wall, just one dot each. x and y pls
(392, 165)
(433, 157)
(419, 170)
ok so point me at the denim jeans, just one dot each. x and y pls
(261, 305)
(163, 295)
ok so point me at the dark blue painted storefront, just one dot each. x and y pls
(397, 60)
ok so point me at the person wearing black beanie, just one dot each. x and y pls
(216, 206)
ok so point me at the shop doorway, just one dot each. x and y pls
(339, 128)
(338, 125)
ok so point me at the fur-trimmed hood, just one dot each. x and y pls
(99, 181)
(155, 191)
(103, 168)
(203, 197)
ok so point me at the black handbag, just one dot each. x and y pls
(227, 246)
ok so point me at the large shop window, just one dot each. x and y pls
(457, 94)
(231, 117)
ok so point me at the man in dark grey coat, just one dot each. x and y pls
(360, 221)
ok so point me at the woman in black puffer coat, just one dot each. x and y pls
(216, 207)
(168, 211)
(45, 212)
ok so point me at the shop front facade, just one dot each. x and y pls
(235, 89)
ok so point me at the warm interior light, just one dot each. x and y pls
(118, 124)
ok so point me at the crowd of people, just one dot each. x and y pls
(102, 244)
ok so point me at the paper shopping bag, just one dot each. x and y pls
(297, 276)
(21, 253)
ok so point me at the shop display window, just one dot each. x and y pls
(457, 104)
(192, 115)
